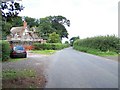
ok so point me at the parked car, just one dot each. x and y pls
(18, 51)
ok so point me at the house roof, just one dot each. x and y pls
(16, 29)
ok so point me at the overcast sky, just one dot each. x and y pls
(88, 17)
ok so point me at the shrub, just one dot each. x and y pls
(5, 46)
(49, 46)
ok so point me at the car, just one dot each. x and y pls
(18, 52)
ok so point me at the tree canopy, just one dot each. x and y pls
(52, 24)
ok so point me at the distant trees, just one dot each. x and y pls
(66, 42)
(73, 39)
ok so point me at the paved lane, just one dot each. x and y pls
(73, 69)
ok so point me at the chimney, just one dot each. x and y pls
(24, 24)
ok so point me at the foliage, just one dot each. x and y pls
(32, 21)
(73, 39)
(95, 51)
(52, 24)
(5, 50)
(6, 29)
(54, 38)
(11, 22)
(101, 43)
(45, 28)
(10, 9)
(49, 46)
(66, 42)
(15, 21)
(11, 74)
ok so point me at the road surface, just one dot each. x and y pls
(72, 69)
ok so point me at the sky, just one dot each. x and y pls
(88, 18)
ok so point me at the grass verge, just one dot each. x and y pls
(26, 78)
(11, 74)
(45, 52)
(96, 52)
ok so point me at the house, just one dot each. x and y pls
(24, 36)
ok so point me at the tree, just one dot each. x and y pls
(32, 21)
(10, 9)
(54, 38)
(73, 39)
(52, 24)
(58, 23)
(45, 28)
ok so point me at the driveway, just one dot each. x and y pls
(38, 63)
(73, 69)
(33, 61)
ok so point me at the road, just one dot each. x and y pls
(72, 69)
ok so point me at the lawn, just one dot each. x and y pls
(45, 52)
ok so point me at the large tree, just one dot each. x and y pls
(52, 24)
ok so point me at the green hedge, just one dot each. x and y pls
(101, 43)
(49, 46)
(4, 50)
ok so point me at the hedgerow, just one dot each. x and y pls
(101, 43)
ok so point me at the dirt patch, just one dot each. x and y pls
(27, 82)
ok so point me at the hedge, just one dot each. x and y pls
(49, 46)
(101, 43)
(4, 50)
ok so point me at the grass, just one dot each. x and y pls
(15, 59)
(11, 74)
(99, 53)
(96, 52)
(45, 52)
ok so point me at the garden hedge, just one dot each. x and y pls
(4, 50)
(49, 46)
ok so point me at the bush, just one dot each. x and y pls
(102, 43)
(5, 54)
(49, 46)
